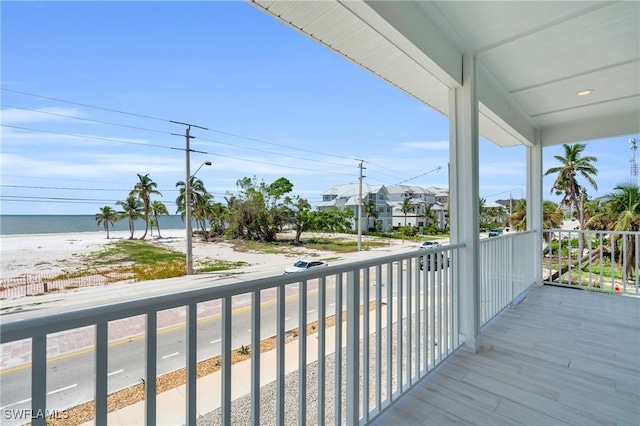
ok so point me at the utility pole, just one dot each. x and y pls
(187, 192)
(360, 207)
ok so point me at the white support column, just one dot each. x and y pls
(534, 205)
(464, 196)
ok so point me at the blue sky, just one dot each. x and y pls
(275, 102)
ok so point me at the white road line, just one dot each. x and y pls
(216, 341)
(16, 403)
(115, 372)
(287, 319)
(332, 304)
(63, 389)
(249, 330)
(170, 355)
(311, 311)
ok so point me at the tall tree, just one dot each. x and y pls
(132, 209)
(300, 215)
(551, 215)
(621, 212)
(370, 211)
(157, 209)
(106, 216)
(406, 207)
(143, 189)
(572, 166)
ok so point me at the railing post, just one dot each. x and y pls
(353, 347)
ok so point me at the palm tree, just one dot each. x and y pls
(405, 208)
(132, 209)
(143, 189)
(198, 192)
(429, 216)
(107, 216)
(620, 211)
(566, 183)
(371, 211)
(157, 209)
(551, 215)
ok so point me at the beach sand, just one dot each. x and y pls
(53, 253)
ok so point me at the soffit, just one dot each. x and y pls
(533, 58)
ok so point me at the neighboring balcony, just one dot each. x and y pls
(390, 351)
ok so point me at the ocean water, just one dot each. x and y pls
(55, 224)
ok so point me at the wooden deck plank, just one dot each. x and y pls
(560, 356)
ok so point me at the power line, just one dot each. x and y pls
(86, 119)
(162, 119)
(87, 137)
(84, 105)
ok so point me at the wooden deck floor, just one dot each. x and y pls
(562, 356)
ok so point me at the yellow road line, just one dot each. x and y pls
(141, 336)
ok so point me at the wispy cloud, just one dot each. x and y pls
(428, 146)
(16, 116)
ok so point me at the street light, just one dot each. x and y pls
(187, 214)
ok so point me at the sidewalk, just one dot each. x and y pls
(171, 405)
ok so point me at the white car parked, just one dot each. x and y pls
(305, 265)
(430, 244)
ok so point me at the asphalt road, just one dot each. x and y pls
(70, 376)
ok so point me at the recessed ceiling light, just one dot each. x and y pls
(585, 92)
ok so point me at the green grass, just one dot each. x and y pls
(328, 244)
(218, 265)
(135, 252)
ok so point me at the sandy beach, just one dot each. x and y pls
(53, 253)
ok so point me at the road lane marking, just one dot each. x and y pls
(287, 319)
(216, 341)
(332, 304)
(62, 389)
(311, 311)
(170, 355)
(114, 373)
(16, 403)
(141, 336)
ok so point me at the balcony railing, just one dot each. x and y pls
(396, 318)
(506, 271)
(604, 261)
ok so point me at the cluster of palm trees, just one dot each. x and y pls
(138, 205)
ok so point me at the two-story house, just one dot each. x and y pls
(346, 197)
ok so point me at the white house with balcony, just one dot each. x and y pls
(346, 197)
(419, 198)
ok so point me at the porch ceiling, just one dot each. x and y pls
(533, 58)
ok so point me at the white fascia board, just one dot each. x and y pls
(504, 113)
(406, 26)
(591, 129)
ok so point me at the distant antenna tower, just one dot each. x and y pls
(633, 143)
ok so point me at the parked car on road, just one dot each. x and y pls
(305, 265)
(430, 244)
(495, 232)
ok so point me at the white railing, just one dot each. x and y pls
(408, 327)
(604, 261)
(506, 271)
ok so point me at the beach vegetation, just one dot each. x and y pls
(132, 209)
(158, 209)
(199, 199)
(214, 265)
(107, 216)
(143, 189)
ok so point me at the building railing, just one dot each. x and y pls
(396, 318)
(506, 271)
(605, 261)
